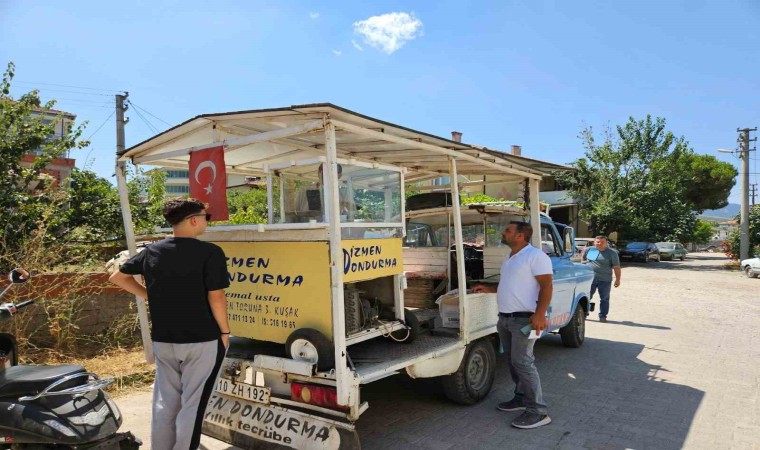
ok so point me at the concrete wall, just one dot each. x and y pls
(86, 300)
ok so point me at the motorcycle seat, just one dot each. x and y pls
(18, 381)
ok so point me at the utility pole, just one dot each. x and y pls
(744, 150)
(121, 108)
(126, 214)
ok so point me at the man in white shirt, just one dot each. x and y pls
(523, 295)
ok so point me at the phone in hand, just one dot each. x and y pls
(531, 333)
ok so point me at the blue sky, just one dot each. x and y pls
(529, 73)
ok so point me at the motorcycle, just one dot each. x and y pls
(53, 407)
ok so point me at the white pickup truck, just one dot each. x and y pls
(317, 302)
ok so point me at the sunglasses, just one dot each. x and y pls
(208, 216)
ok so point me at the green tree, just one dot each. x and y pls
(644, 182)
(734, 239)
(94, 212)
(703, 232)
(83, 209)
(250, 206)
(24, 196)
(146, 191)
(708, 181)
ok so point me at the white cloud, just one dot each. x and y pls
(356, 46)
(314, 15)
(337, 52)
(389, 32)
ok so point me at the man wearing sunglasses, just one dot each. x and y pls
(185, 280)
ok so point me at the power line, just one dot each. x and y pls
(67, 91)
(67, 86)
(87, 158)
(101, 126)
(150, 125)
(148, 112)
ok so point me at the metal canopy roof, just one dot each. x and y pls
(358, 137)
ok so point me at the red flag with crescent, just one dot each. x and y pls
(208, 181)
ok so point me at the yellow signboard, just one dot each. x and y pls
(365, 259)
(277, 288)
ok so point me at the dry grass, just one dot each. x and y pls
(126, 366)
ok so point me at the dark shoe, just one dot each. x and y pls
(603, 319)
(512, 405)
(529, 420)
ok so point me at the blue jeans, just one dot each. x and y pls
(604, 288)
(522, 367)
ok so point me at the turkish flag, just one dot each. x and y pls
(208, 181)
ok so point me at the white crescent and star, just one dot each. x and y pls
(201, 166)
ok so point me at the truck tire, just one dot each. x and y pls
(574, 333)
(408, 335)
(474, 378)
(749, 272)
(308, 344)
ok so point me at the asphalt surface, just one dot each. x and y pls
(676, 366)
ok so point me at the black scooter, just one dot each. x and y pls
(53, 407)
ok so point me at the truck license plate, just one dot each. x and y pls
(243, 390)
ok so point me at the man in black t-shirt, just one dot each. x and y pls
(185, 280)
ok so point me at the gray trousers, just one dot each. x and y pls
(185, 377)
(522, 367)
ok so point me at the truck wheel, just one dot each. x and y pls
(410, 334)
(574, 332)
(748, 271)
(474, 378)
(683, 257)
(308, 344)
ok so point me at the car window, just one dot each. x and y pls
(549, 245)
(418, 235)
(636, 245)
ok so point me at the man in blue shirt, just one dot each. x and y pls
(604, 261)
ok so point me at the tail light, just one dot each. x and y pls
(317, 395)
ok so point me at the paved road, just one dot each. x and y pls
(676, 366)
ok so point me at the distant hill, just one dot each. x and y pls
(728, 212)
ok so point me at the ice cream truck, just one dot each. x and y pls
(317, 298)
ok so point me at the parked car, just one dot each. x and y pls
(582, 243)
(710, 248)
(751, 267)
(671, 250)
(639, 251)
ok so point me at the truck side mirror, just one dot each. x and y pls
(568, 236)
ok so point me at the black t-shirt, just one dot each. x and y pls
(179, 273)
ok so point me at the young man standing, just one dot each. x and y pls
(185, 280)
(604, 261)
(523, 295)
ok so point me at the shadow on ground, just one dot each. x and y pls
(600, 396)
(628, 323)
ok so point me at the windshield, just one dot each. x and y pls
(636, 246)
(366, 195)
(666, 246)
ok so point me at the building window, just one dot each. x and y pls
(177, 189)
(443, 181)
(177, 173)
